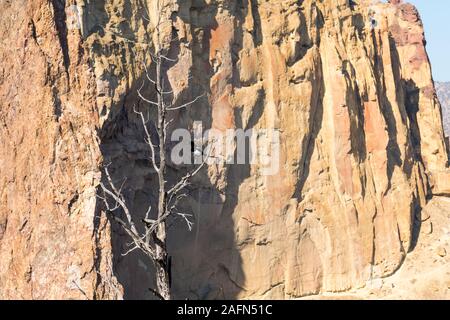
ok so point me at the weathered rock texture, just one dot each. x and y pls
(443, 92)
(425, 273)
(347, 83)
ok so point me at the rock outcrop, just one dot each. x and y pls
(346, 83)
(443, 92)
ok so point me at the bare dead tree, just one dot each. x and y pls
(152, 241)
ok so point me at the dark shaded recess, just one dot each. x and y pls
(408, 96)
(447, 146)
(410, 158)
(57, 104)
(356, 113)
(242, 11)
(359, 23)
(123, 131)
(59, 8)
(257, 29)
(352, 4)
(416, 219)
(355, 107)
(306, 43)
(413, 152)
(224, 280)
(308, 143)
(393, 150)
(319, 23)
(412, 93)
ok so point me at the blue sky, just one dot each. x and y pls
(436, 19)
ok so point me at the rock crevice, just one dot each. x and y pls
(347, 84)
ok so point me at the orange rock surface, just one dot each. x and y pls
(346, 83)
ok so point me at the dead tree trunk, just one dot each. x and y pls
(153, 242)
(162, 272)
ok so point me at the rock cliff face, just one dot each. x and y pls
(443, 92)
(346, 83)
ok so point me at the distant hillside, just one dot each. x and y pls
(443, 92)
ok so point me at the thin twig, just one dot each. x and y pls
(185, 105)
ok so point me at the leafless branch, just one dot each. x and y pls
(168, 59)
(129, 226)
(185, 217)
(130, 251)
(148, 138)
(184, 182)
(118, 198)
(185, 105)
(152, 237)
(144, 98)
(147, 74)
(138, 241)
(147, 213)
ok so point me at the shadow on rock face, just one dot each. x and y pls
(205, 261)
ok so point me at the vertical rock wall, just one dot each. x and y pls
(346, 83)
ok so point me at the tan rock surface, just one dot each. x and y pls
(50, 240)
(354, 102)
(425, 273)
